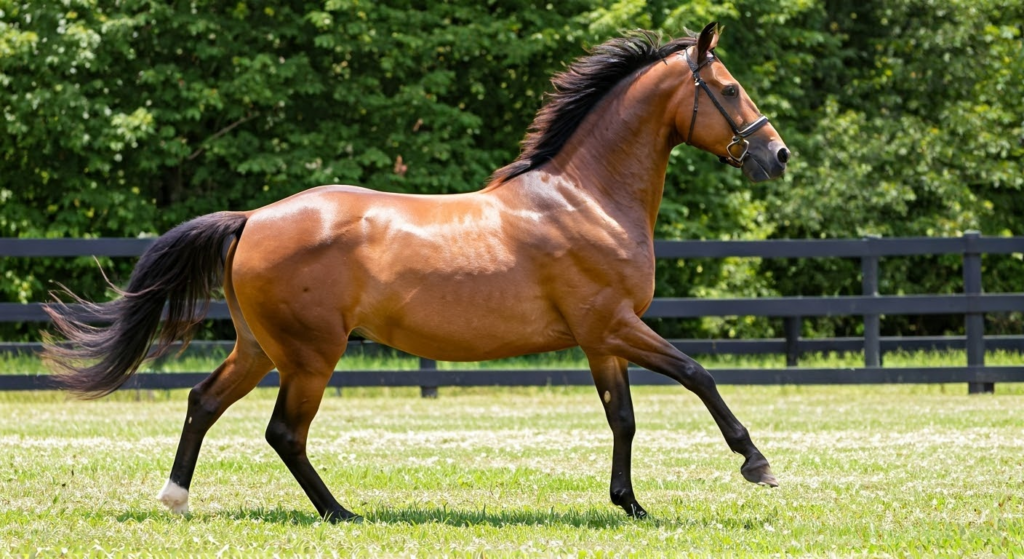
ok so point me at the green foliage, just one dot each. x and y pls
(124, 119)
(922, 137)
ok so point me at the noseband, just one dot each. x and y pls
(739, 137)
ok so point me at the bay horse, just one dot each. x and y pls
(555, 252)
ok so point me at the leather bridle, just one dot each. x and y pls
(739, 135)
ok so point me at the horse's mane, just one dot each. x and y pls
(578, 90)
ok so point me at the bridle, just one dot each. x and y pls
(739, 137)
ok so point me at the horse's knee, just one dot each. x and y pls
(621, 496)
(697, 379)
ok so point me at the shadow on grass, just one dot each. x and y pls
(412, 515)
(589, 518)
(272, 516)
(605, 518)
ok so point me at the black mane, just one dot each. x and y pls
(579, 89)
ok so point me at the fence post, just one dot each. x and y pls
(428, 365)
(974, 323)
(792, 326)
(869, 288)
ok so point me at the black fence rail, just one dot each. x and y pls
(972, 304)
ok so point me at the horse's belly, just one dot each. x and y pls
(466, 320)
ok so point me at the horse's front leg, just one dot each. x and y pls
(634, 341)
(612, 383)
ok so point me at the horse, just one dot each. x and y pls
(556, 251)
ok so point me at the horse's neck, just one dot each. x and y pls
(620, 156)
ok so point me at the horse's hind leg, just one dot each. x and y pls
(235, 377)
(303, 381)
(610, 377)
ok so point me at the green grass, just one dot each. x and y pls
(907, 470)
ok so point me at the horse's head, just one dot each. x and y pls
(715, 114)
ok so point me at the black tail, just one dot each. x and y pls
(181, 268)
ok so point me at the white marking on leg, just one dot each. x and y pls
(174, 497)
(607, 396)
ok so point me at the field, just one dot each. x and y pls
(878, 470)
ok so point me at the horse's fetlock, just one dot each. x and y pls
(622, 496)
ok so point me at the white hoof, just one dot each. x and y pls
(174, 497)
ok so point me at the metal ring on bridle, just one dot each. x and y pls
(739, 135)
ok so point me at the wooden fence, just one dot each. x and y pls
(972, 304)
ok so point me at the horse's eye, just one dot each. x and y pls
(730, 91)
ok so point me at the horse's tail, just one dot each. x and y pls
(181, 268)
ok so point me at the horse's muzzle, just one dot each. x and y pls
(766, 161)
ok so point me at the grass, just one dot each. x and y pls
(907, 470)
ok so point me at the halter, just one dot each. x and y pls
(739, 137)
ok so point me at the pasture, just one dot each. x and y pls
(882, 470)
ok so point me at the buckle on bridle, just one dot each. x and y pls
(738, 141)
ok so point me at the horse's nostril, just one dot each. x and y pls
(783, 156)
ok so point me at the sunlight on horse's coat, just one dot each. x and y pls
(470, 242)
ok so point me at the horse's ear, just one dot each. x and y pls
(707, 41)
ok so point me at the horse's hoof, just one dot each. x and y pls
(627, 501)
(767, 479)
(638, 512)
(343, 516)
(634, 510)
(758, 471)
